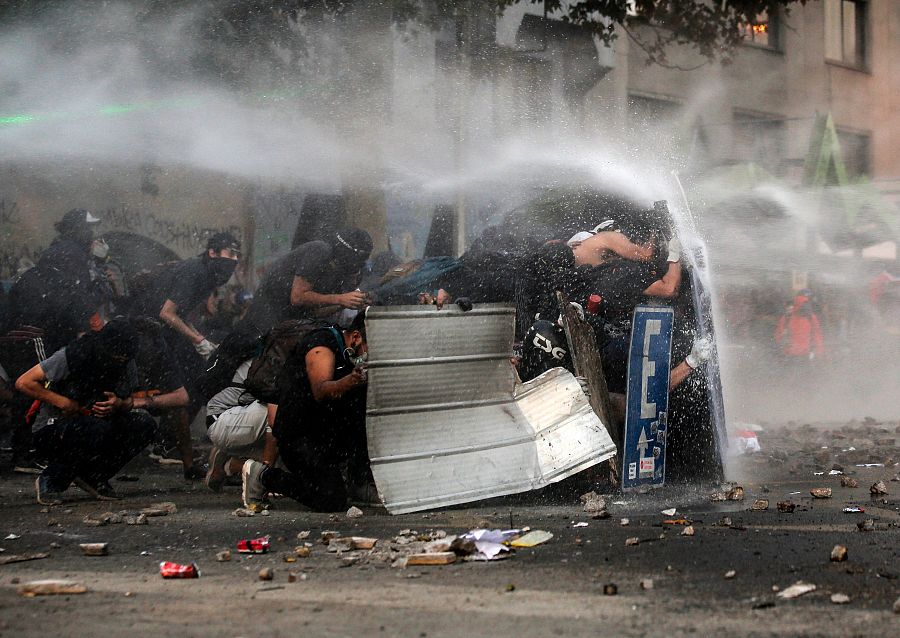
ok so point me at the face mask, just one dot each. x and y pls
(221, 269)
(100, 249)
(354, 358)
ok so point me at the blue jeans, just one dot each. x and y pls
(92, 448)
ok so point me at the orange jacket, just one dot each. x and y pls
(798, 331)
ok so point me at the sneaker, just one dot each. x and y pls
(166, 455)
(45, 493)
(215, 476)
(102, 490)
(253, 492)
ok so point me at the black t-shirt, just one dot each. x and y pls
(312, 261)
(299, 414)
(56, 295)
(186, 283)
(156, 366)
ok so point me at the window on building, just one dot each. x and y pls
(763, 31)
(845, 31)
(759, 139)
(855, 152)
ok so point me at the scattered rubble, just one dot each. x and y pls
(224, 556)
(266, 573)
(849, 481)
(838, 554)
(437, 558)
(21, 558)
(594, 505)
(840, 599)
(688, 531)
(647, 584)
(243, 512)
(730, 574)
(51, 587)
(610, 589)
(866, 525)
(634, 540)
(94, 549)
(786, 507)
(821, 492)
(354, 512)
(878, 489)
(759, 505)
(796, 590)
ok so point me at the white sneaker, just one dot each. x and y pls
(253, 492)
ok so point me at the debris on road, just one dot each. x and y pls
(624, 522)
(175, 570)
(878, 489)
(266, 573)
(362, 542)
(634, 540)
(532, 538)
(838, 554)
(224, 556)
(853, 509)
(688, 531)
(849, 481)
(21, 558)
(166, 507)
(140, 519)
(786, 507)
(51, 587)
(730, 574)
(669, 512)
(647, 583)
(12, 537)
(437, 558)
(243, 512)
(796, 590)
(594, 505)
(354, 512)
(821, 492)
(253, 545)
(840, 599)
(610, 589)
(759, 505)
(94, 549)
(302, 551)
(867, 525)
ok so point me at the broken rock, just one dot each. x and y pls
(866, 525)
(821, 492)
(760, 505)
(688, 531)
(354, 512)
(437, 558)
(266, 573)
(838, 554)
(786, 507)
(796, 590)
(840, 599)
(94, 549)
(594, 505)
(51, 587)
(224, 556)
(878, 489)
(849, 481)
(634, 540)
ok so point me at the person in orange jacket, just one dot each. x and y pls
(799, 333)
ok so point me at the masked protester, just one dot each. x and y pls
(86, 428)
(177, 291)
(49, 305)
(320, 422)
(315, 279)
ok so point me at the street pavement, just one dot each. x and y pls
(556, 588)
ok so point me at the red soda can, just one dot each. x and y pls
(593, 304)
(174, 570)
(253, 545)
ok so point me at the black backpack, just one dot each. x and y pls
(262, 378)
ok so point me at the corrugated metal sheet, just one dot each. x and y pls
(446, 422)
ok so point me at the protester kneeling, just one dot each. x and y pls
(239, 428)
(86, 428)
(320, 423)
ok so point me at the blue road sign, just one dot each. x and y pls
(647, 401)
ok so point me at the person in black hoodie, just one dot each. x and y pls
(173, 293)
(87, 428)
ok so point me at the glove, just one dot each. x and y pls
(674, 250)
(205, 349)
(584, 386)
(701, 351)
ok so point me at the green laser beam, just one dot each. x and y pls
(122, 109)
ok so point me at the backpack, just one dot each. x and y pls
(262, 378)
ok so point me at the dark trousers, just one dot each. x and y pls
(91, 448)
(315, 463)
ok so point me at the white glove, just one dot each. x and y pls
(205, 349)
(674, 250)
(701, 351)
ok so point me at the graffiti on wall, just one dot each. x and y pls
(179, 235)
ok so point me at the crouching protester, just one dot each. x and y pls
(320, 423)
(239, 428)
(89, 426)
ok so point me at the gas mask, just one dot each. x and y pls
(356, 359)
(221, 269)
(100, 249)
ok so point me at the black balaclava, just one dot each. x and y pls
(98, 360)
(351, 248)
(220, 269)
